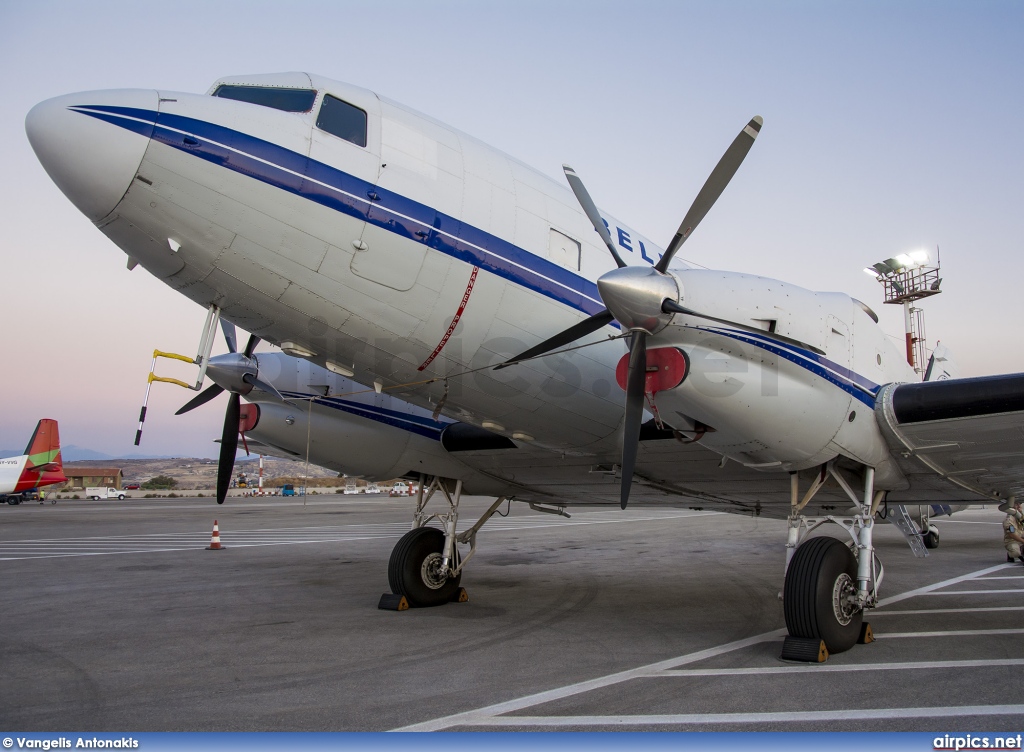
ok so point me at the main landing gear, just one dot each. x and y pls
(830, 583)
(426, 565)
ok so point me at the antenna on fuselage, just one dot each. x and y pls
(907, 278)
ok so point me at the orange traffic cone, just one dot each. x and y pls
(215, 539)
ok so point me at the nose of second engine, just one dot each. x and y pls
(229, 371)
(91, 144)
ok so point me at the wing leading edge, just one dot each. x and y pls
(966, 433)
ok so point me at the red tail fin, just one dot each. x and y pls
(44, 446)
(44, 466)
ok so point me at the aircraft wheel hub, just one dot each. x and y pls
(434, 577)
(844, 603)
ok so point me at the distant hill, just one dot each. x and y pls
(201, 473)
(73, 453)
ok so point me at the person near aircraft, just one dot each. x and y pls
(1013, 531)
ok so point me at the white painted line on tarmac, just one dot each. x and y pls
(493, 715)
(939, 585)
(951, 633)
(876, 614)
(492, 712)
(53, 548)
(966, 522)
(704, 719)
(1018, 591)
(814, 668)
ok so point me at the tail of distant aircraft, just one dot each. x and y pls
(941, 365)
(43, 448)
(41, 465)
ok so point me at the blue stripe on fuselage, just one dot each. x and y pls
(330, 187)
(427, 427)
(298, 174)
(847, 380)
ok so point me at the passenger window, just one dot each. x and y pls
(289, 100)
(342, 120)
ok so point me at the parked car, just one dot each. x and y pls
(132, 486)
(103, 492)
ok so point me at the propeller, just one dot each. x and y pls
(642, 300)
(713, 187)
(635, 379)
(237, 373)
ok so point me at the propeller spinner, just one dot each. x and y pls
(236, 373)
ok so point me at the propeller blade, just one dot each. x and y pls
(229, 335)
(228, 446)
(571, 334)
(670, 306)
(590, 208)
(251, 345)
(713, 187)
(201, 399)
(636, 379)
(260, 384)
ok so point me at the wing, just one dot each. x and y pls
(668, 472)
(960, 438)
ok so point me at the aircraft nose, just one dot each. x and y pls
(91, 144)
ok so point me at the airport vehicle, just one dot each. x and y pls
(103, 492)
(38, 467)
(289, 489)
(493, 310)
(33, 494)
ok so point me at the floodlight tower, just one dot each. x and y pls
(907, 278)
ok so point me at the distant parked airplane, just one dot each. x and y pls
(39, 466)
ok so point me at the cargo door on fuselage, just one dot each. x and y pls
(343, 170)
(419, 190)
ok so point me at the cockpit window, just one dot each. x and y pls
(289, 100)
(342, 120)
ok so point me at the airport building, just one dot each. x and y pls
(84, 477)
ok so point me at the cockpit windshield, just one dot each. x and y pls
(289, 100)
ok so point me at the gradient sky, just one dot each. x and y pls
(889, 126)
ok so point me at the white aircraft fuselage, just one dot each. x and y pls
(424, 253)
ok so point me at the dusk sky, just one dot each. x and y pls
(888, 127)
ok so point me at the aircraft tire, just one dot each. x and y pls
(821, 569)
(931, 538)
(409, 568)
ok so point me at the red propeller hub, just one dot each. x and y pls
(666, 369)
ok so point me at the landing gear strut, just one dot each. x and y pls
(829, 583)
(426, 564)
(929, 533)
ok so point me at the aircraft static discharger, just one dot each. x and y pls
(376, 245)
